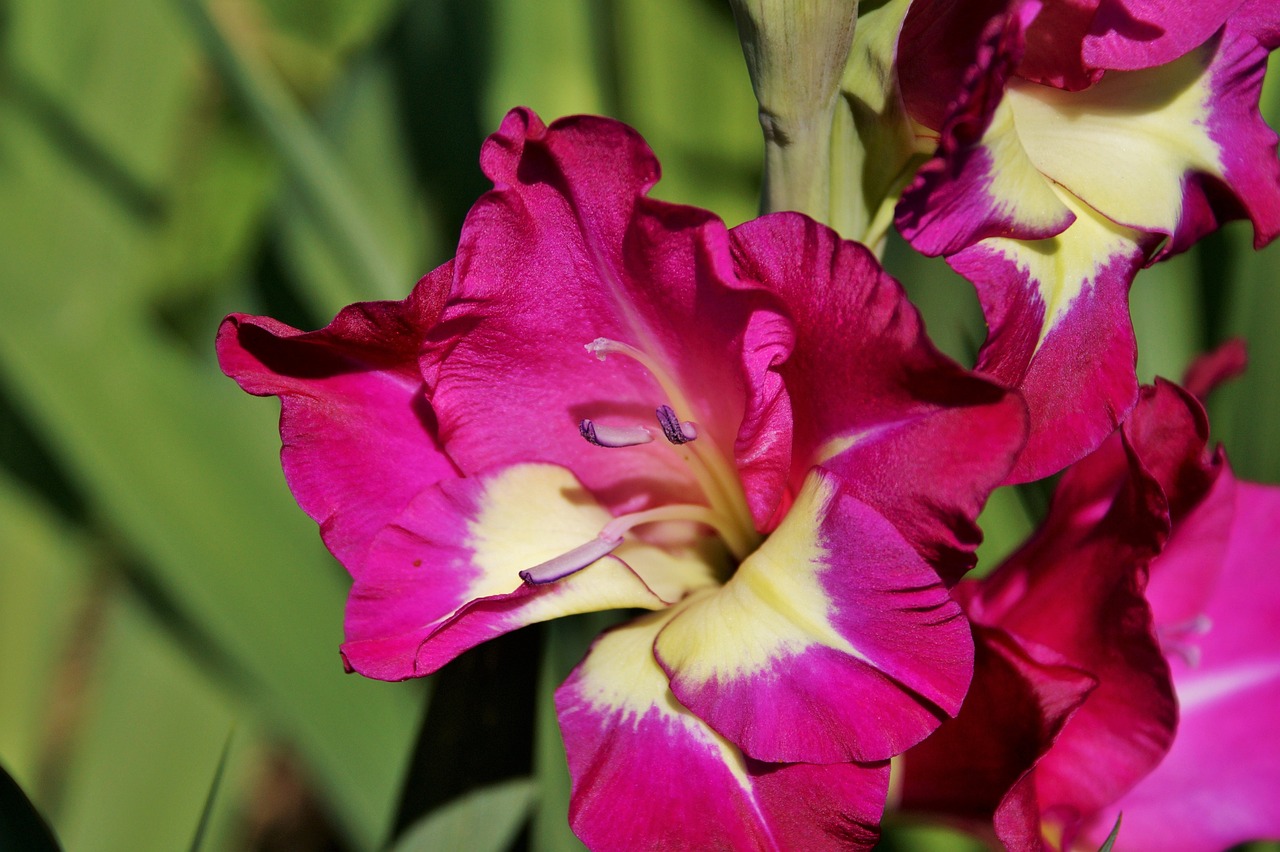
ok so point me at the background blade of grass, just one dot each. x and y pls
(175, 462)
(333, 201)
(486, 820)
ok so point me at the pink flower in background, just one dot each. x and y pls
(1076, 142)
(1141, 607)
(607, 401)
(1216, 607)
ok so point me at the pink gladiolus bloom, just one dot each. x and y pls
(607, 401)
(1078, 140)
(1143, 605)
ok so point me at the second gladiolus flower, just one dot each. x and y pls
(1077, 141)
(1127, 658)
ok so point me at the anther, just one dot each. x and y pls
(614, 436)
(565, 564)
(1178, 639)
(673, 429)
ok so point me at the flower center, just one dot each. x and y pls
(726, 511)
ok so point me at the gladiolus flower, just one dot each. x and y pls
(1077, 141)
(1141, 607)
(607, 401)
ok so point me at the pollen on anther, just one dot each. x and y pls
(673, 428)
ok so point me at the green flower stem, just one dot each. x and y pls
(796, 52)
(838, 144)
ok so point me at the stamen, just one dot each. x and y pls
(614, 436)
(673, 429)
(1178, 639)
(716, 473)
(575, 560)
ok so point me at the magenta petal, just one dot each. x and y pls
(1246, 179)
(977, 766)
(1220, 783)
(445, 575)
(833, 642)
(936, 49)
(954, 200)
(359, 437)
(1053, 55)
(1076, 370)
(648, 774)
(948, 206)
(1077, 588)
(1212, 369)
(566, 249)
(870, 393)
(1132, 34)
(1247, 145)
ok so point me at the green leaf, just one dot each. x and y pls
(1244, 412)
(217, 199)
(682, 83)
(1111, 838)
(153, 726)
(1005, 524)
(310, 162)
(72, 60)
(1167, 318)
(22, 829)
(334, 26)
(184, 469)
(899, 834)
(544, 56)
(946, 301)
(42, 587)
(362, 123)
(484, 820)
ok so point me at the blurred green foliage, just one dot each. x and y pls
(163, 162)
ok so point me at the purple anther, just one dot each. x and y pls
(568, 563)
(614, 436)
(673, 429)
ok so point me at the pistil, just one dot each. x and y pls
(611, 536)
(571, 562)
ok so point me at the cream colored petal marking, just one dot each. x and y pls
(1123, 145)
(533, 512)
(1018, 190)
(1061, 267)
(620, 676)
(774, 607)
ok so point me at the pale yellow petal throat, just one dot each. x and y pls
(533, 512)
